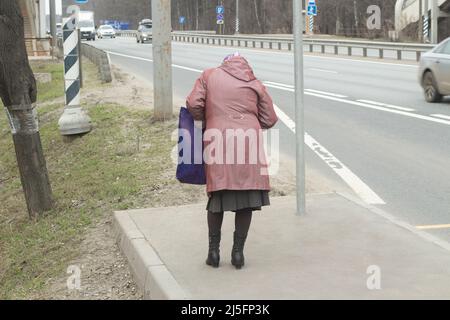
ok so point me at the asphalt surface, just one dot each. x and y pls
(371, 131)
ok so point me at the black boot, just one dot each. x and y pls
(237, 254)
(214, 250)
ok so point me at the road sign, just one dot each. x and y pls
(182, 20)
(81, 1)
(220, 9)
(312, 10)
(220, 22)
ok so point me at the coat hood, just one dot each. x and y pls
(239, 68)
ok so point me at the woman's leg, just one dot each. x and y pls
(215, 226)
(215, 221)
(243, 221)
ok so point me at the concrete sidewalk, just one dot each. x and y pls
(324, 255)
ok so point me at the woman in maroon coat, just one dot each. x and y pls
(235, 108)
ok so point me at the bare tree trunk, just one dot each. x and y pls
(18, 94)
(257, 16)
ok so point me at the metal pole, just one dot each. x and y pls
(162, 59)
(53, 25)
(237, 17)
(299, 107)
(434, 21)
(421, 21)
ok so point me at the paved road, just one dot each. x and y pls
(369, 129)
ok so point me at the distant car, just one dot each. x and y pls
(106, 31)
(144, 31)
(434, 72)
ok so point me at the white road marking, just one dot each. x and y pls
(279, 84)
(187, 68)
(326, 93)
(291, 89)
(353, 181)
(322, 70)
(369, 106)
(442, 116)
(434, 227)
(150, 60)
(128, 56)
(387, 105)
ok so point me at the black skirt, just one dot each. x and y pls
(231, 200)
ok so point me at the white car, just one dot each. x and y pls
(106, 31)
(434, 72)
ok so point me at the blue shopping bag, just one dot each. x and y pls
(191, 167)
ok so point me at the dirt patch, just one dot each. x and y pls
(126, 90)
(105, 274)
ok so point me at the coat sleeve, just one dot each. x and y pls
(196, 101)
(266, 112)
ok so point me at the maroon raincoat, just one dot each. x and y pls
(230, 98)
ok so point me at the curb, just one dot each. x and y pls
(152, 277)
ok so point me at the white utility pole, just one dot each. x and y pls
(162, 59)
(434, 21)
(299, 107)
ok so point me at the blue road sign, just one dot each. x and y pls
(81, 1)
(220, 17)
(312, 10)
(182, 20)
(220, 9)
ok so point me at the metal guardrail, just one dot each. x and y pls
(286, 43)
(351, 47)
(126, 33)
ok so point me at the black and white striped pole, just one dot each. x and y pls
(74, 120)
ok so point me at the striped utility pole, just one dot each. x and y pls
(311, 24)
(74, 120)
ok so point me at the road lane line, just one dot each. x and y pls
(150, 60)
(387, 105)
(353, 181)
(322, 70)
(434, 227)
(128, 56)
(442, 116)
(326, 93)
(291, 89)
(279, 84)
(186, 68)
(369, 106)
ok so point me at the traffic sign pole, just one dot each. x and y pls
(299, 108)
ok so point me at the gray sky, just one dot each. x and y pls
(58, 7)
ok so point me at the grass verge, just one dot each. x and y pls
(123, 163)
